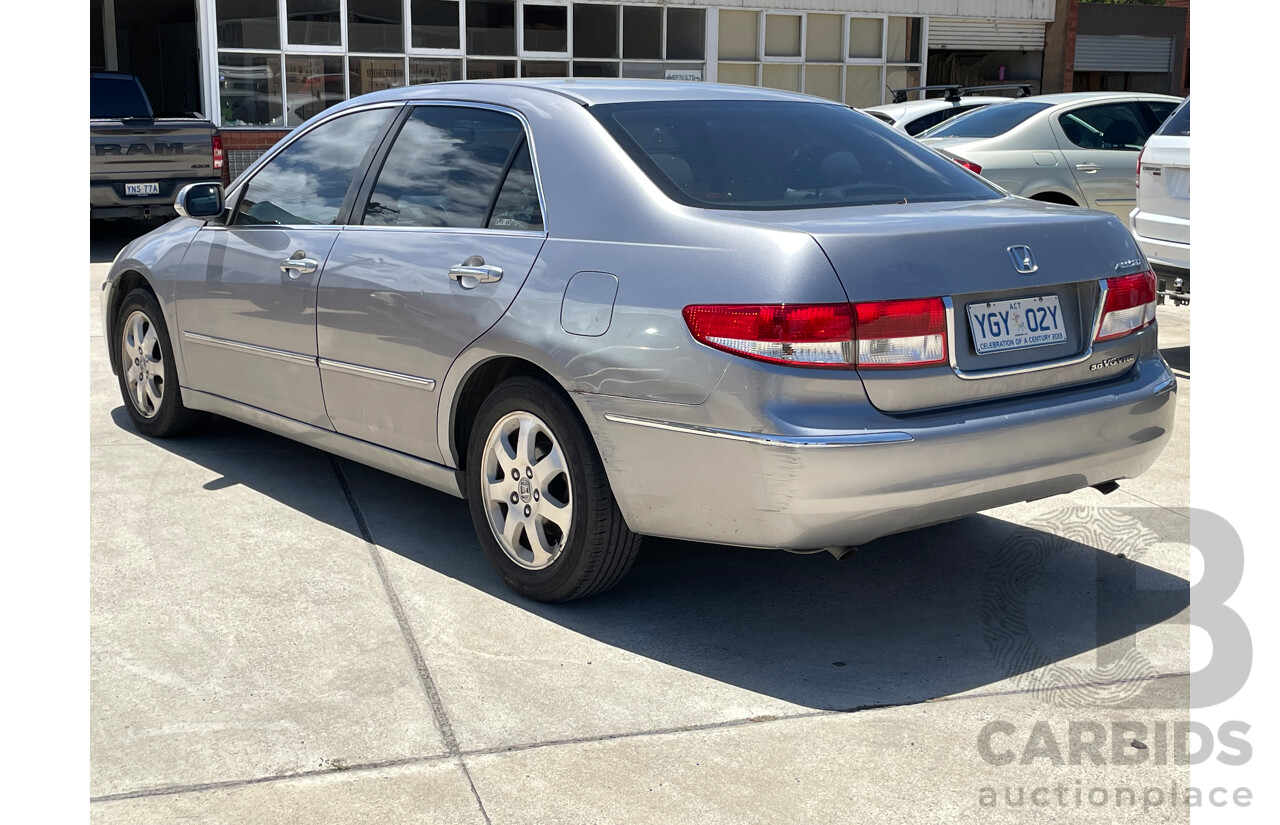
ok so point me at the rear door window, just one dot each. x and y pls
(1179, 124)
(1108, 126)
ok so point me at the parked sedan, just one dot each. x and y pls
(596, 312)
(1078, 149)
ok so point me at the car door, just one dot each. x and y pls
(442, 237)
(246, 300)
(1101, 142)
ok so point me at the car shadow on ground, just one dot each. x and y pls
(906, 619)
(1178, 358)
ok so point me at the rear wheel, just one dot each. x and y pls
(148, 382)
(539, 498)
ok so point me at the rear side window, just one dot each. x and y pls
(730, 154)
(1115, 126)
(1179, 123)
(307, 182)
(117, 97)
(987, 122)
(932, 119)
(444, 169)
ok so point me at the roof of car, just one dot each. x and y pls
(593, 91)
(898, 110)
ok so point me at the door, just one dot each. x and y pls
(440, 242)
(246, 300)
(1101, 144)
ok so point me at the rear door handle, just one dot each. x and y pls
(1088, 168)
(474, 271)
(299, 264)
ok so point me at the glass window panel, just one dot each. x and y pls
(686, 34)
(684, 71)
(602, 69)
(739, 35)
(248, 24)
(866, 37)
(544, 68)
(307, 182)
(744, 74)
(490, 69)
(374, 74)
(782, 35)
(652, 71)
(491, 27)
(595, 31)
(642, 32)
(517, 206)
(375, 25)
(823, 38)
(904, 40)
(433, 71)
(433, 24)
(314, 23)
(443, 169)
(862, 86)
(785, 76)
(251, 89)
(901, 77)
(313, 84)
(546, 28)
(822, 81)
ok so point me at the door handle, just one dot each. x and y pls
(474, 271)
(1088, 168)
(299, 264)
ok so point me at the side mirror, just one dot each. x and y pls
(199, 200)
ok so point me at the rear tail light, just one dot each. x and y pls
(806, 335)
(217, 152)
(876, 335)
(901, 333)
(1130, 305)
(1137, 170)
(970, 165)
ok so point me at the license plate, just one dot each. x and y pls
(142, 189)
(998, 326)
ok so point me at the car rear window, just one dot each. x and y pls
(730, 154)
(1179, 123)
(986, 122)
(116, 97)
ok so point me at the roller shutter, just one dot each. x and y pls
(986, 35)
(1122, 53)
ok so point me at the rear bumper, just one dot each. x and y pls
(693, 482)
(1165, 253)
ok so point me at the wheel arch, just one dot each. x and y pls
(1054, 196)
(121, 285)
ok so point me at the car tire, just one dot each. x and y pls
(539, 497)
(148, 380)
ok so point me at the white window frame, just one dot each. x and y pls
(884, 39)
(765, 57)
(527, 54)
(282, 9)
(411, 51)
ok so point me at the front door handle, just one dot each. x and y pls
(299, 264)
(1088, 168)
(474, 271)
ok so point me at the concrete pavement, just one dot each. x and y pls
(280, 636)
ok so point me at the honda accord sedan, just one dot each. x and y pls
(600, 310)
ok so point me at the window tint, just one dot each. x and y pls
(799, 155)
(932, 119)
(517, 205)
(1161, 110)
(1179, 125)
(116, 97)
(308, 180)
(443, 168)
(986, 122)
(1115, 126)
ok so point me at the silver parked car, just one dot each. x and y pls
(1079, 149)
(600, 310)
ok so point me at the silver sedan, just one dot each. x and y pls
(1079, 149)
(600, 310)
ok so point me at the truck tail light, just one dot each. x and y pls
(901, 333)
(803, 335)
(1130, 305)
(217, 152)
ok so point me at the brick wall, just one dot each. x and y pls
(243, 147)
(1186, 45)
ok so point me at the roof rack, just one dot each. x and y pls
(955, 90)
(1024, 89)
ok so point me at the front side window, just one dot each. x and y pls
(799, 156)
(444, 169)
(307, 182)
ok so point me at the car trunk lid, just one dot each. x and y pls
(1164, 190)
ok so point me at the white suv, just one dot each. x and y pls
(1161, 223)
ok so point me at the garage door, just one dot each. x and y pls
(1123, 53)
(986, 35)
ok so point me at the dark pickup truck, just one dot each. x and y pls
(137, 161)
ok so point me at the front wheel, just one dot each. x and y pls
(148, 381)
(539, 498)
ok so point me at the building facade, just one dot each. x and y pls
(258, 68)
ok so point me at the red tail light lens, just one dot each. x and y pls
(1130, 305)
(805, 335)
(1137, 170)
(217, 152)
(970, 165)
(901, 333)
